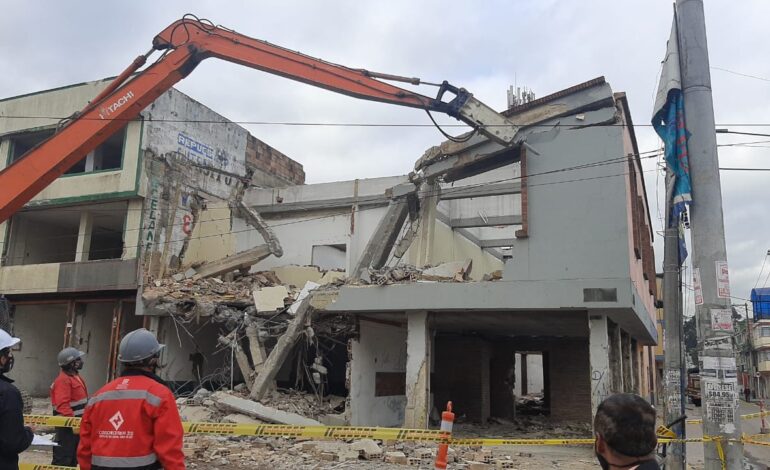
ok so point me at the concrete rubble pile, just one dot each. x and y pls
(273, 453)
(453, 271)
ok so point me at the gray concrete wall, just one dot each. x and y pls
(41, 329)
(93, 325)
(379, 348)
(577, 218)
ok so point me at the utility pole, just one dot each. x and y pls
(673, 367)
(716, 351)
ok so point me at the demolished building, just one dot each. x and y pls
(539, 250)
(484, 267)
(71, 258)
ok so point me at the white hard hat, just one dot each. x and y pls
(7, 341)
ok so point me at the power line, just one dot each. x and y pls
(348, 124)
(756, 77)
(764, 260)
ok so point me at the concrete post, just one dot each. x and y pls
(719, 387)
(616, 359)
(427, 221)
(84, 236)
(524, 377)
(418, 346)
(625, 343)
(673, 366)
(599, 353)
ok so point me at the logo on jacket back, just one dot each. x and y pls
(117, 420)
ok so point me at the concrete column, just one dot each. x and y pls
(84, 236)
(599, 353)
(418, 347)
(628, 375)
(616, 359)
(524, 377)
(427, 222)
(636, 367)
(132, 231)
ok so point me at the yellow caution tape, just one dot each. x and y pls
(316, 432)
(520, 442)
(60, 421)
(40, 466)
(746, 416)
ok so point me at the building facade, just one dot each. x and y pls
(72, 258)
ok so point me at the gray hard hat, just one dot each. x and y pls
(68, 356)
(138, 345)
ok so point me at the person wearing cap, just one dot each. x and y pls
(14, 436)
(625, 433)
(69, 396)
(132, 423)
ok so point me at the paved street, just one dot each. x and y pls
(759, 456)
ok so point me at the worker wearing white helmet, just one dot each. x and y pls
(14, 436)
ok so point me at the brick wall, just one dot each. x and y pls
(264, 158)
(570, 380)
(461, 374)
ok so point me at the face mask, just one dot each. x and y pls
(606, 465)
(8, 365)
(602, 461)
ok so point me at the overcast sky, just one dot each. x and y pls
(484, 46)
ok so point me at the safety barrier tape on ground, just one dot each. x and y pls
(746, 416)
(40, 466)
(354, 432)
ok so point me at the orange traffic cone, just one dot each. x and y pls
(447, 420)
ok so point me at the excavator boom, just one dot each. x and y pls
(184, 44)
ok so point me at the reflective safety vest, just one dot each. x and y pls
(132, 423)
(69, 395)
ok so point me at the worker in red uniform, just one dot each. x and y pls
(132, 423)
(69, 396)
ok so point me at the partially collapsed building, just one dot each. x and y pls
(487, 273)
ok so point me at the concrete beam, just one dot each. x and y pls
(491, 221)
(599, 348)
(497, 243)
(378, 248)
(481, 190)
(459, 160)
(418, 346)
(242, 260)
(282, 349)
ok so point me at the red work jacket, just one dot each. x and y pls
(132, 423)
(69, 395)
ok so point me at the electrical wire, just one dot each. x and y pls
(756, 77)
(764, 260)
(363, 124)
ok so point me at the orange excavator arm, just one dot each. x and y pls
(184, 44)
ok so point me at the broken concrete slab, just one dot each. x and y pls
(260, 411)
(444, 271)
(242, 260)
(270, 299)
(309, 285)
(238, 418)
(334, 420)
(196, 414)
(297, 276)
(331, 277)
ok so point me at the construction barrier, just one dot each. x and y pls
(447, 421)
(40, 466)
(355, 432)
(759, 414)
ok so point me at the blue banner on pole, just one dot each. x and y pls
(670, 126)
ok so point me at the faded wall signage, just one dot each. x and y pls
(210, 151)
